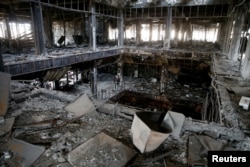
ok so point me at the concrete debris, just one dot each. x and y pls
(215, 130)
(7, 126)
(101, 150)
(2, 121)
(199, 145)
(174, 121)
(20, 153)
(80, 106)
(243, 91)
(148, 131)
(66, 124)
(244, 102)
(65, 164)
(116, 109)
(4, 89)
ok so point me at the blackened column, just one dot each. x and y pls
(94, 82)
(120, 29)
(138, 33)
(236, 37)
(1, 60)
(168, 29)
(92, 26)
(38, 31)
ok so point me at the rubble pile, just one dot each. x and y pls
(73, 129)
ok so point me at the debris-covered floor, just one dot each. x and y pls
(54, 128)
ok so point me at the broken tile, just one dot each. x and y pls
(4, 89)
(81, 106)
(22, 154)
(101, 150)
(6, 127)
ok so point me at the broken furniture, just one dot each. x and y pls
(150, 129)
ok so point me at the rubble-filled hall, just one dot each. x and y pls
(94, 83)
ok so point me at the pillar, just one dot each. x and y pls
(188, 31)
(120, 72)
(92, 27)
(168, 29)
(150, 32)
(177, 29)
(222, 33)
(94, 82)
(138, 33)
(245, 70)
(8, 35)
(159, 32)
(105, 31)
(226, 43)
(236, 37)
(37, 20)
(48, 28)
(83, 28)
(1, 59)
(120, 29)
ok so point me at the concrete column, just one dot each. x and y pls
(188, 31)
(37, 20)
(1, 59)
(57, 85)
(227, 35)
(235, 42)
(94, 82)
(106, 31)
(93, 27)
(138, 33)
(168, 29)
(8, 28)
(150, 32)
(120, 72)
(222, 33)
(177, 29)
(83, 28)
(120, 29)
(245, 70)
(48, 29)
(159, 30)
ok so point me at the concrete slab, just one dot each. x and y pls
(150, 129)
(101, 150)
(7, 126)
(22, 154)
(81, 106)
(147, 130)
(199, 145)
(243, 91)
(4, 89)
(174, 121)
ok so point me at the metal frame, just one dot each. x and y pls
(194, 12)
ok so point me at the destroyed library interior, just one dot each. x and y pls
(114, 83)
